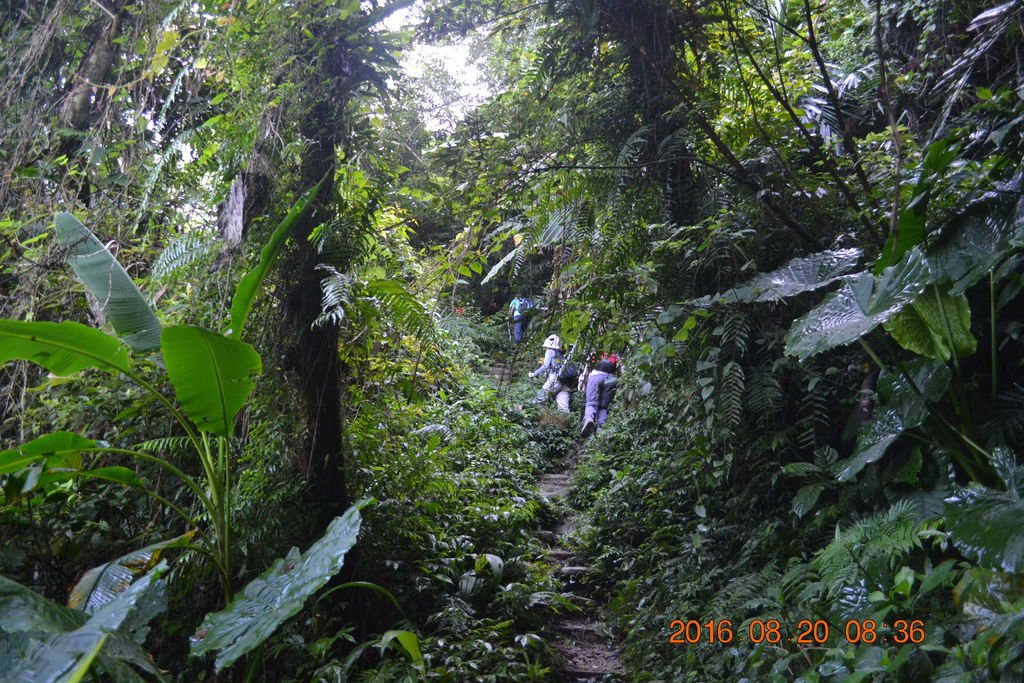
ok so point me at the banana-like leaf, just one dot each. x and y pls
(862, 303)
(799, 275)
(277, 594)
(117, 294)
(62, 348)
(55, 640)
(936, 325)
(212, 375)
(245, 293)
(903, 409)
(985, 524)
(57, 448)
(104, 583)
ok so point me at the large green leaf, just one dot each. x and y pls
(978, 240)
(52, 642)
(910, 228)
(862, 303)
(277, 594)
(936, 325)
(104, 583)
(985, 524)
(115, 291)
(903, 408)
(211, 374)
(799, 275)
(245, 293)
(62, 348)
(55, 448)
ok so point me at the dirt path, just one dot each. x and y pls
(582, 637)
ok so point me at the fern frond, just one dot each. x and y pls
(180, 252)
(730, 394)
(764, 395)
(167, 443)
(629, 154)
(402, 308)
(337, 289)
(750, 593)
(736, 332)
(870, 549)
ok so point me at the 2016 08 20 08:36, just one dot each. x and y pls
(806, 632)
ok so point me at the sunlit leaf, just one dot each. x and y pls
(104, 583)
(985, 524)
(58, 639)
(806, 498)
(974, 243)
(903, 408)
(54, 447)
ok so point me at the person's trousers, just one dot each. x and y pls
(518, 327)
(558, 390)
(600, 391)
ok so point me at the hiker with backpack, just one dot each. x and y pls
(517, 309)
(560, 376)
(600, 392)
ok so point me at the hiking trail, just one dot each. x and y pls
(582, 636)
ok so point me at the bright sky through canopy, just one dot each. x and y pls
(456, 61)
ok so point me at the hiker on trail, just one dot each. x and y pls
(561, 376)
(517, 309)
(600, 391)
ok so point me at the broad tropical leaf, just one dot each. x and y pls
(936, 325)
(799, 275)
(62, 348)
(903, 409)
(104, 583)
(212, 375)
(245, 293)
(985, 524)
(977, 241)
(910, 229)
(806, 498)
(277, 594)
(862, 303)
(117, 294)
(56, 448)
(54, 641)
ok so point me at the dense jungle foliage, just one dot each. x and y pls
(253, 288)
